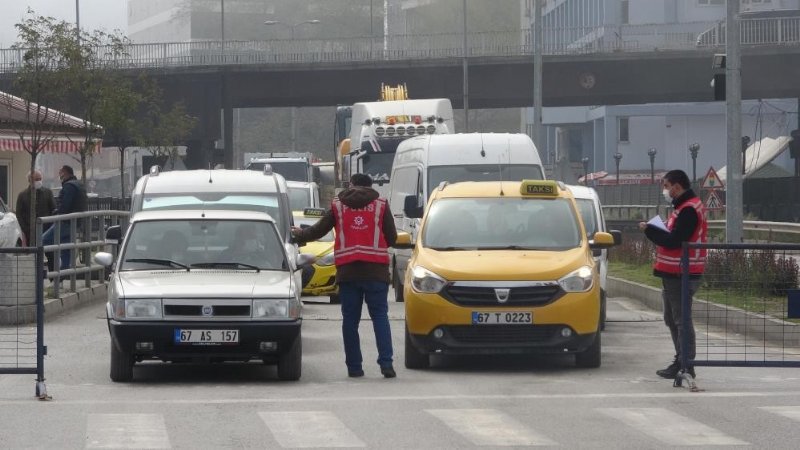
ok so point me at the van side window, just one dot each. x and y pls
(405, 181)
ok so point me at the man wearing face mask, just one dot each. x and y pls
(45, 205)
(687, 223)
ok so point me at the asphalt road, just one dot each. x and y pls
(460, 402)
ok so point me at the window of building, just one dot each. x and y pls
(624, 129)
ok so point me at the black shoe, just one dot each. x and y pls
(388, 372)
(355, 373)
(670, 371)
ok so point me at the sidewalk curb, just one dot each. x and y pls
(53, 307)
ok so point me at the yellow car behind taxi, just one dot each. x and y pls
(502, 267)
(319, 279)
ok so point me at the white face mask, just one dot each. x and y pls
(666, 195)
(37, 184)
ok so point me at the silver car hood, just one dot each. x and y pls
(200, 283)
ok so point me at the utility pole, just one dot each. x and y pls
(78, 20)
(465, 70)
(537, 36)
(734, 195)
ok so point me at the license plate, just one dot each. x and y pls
(184, 336)
(494, 318)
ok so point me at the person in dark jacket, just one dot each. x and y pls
(364, 231)
(687, 223)
(45, 205)
(71, 199)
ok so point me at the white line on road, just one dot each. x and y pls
(669, 427)
(489, 427)
(126, 431)
(791, 412)
(309, 429)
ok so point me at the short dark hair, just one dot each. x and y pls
(68, 169)
(678, 176)
(361, 179)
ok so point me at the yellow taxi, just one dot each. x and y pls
(319, 279)
(502, 267)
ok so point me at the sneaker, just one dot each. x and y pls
(670, 371)
(355, 373)
(388, 372)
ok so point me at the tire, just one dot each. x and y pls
(602, 310)
(414, 358)
(334, 299)
(121, 365)
(397, 285)
(290, 364)
(591, 357)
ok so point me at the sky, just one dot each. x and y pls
(102, 14)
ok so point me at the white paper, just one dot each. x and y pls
(658, 223)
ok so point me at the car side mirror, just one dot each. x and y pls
(601, 240)
(617, 235)
(113, 234)
(404, 241)
(105, 259)
(412, 208)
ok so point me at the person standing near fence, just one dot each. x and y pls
(687, 223)
(71, 199)
(45, 205)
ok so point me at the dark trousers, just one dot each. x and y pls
(48, 238)
(353, 294)
(673, 313)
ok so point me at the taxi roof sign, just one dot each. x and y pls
(314, 212)
(542, 188)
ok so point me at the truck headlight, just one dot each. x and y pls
(146, 308)
(275, 309)
(326, 260)
(580, 280)
(425, 281)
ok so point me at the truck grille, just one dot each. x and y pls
(217, 310)
(518, 296)
(503, 334)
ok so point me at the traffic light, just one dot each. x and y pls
(794, 144)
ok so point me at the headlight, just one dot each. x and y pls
(425, 281)
(275, 309)
(141, 308)
(326, 260)
(580, 280)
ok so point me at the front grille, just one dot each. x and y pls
(518, 296)
(197, 310)
(503, 334)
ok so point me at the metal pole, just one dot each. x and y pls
(733, 94)
(222, 22)
(465, 69)
(294, 128)
(78, 20)
(538, 35)
(371, 30)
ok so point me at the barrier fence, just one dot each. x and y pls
(22, 346)
(747, 311)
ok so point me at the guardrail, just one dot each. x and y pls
(556, 41)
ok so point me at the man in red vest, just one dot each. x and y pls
(687, 223)
(364, 232)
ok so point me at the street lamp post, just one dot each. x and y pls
(585, 161)
(652, 154)
(617, 159)
(693, 149)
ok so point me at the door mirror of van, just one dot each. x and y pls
(617, 236)
(601, 240)
(412, 207)
(113, 234)
(404, 241)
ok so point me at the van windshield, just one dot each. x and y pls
(501, 223)
(299, 198)
(267, 203)
(483, 172)
(378, 166)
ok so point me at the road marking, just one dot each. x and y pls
(489, 427)
(669, 427)
(126, 431)
(791, 412)
(309, 429)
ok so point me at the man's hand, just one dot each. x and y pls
(642, 226)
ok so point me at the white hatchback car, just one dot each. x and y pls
(10, 233)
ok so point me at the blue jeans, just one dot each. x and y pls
(48, 238)
(353, 294)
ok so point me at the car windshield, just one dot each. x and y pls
(190, 244)
(267, 203)
(291, 170)
(482, 172)
(299, 198)
(378, 166)
(586, 208)
(501, 223)
(308, 222)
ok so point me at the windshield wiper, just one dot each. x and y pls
(160, 262)
(512, 247)
(451, 248)
(213, 265)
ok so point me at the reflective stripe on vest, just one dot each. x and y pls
(668, 260)
(359, 233)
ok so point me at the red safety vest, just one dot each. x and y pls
(359, 233)
(668, 260)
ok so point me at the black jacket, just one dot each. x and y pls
(682, 231)
(45, 205)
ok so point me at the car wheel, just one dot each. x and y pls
(414, 358)
(397, 285)
(590, 358)
(291, 362)
(602, 310)
(121, 365)
(334, 299)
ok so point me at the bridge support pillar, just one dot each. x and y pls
(227, 127)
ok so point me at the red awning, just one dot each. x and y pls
(58, 144)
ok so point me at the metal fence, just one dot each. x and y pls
(747, 312)
(22, 347)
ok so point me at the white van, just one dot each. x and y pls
(593, 220)
(423, 162)
(303, 195)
